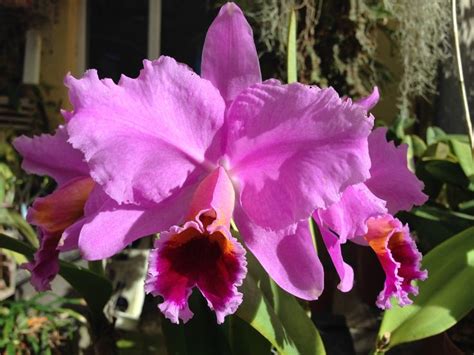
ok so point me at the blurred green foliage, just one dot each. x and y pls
(37, 326)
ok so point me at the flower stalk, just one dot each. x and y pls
(462, 85)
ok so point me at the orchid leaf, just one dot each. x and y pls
(13, 219)
(244, 339)
(200, 335)
(277, 315)
(447, 171)
(95, 289)
(464, 154)
(292, 71)
(434, 134)
(437, 308)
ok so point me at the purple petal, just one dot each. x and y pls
(348, 217)
(390, 179)
(294, 148)
(45, 265)
(144, 137)
(399, 257)
(110, 227)
(229, 58)
(370, 101)
(51, 155)
(333, 245)
(289, 256)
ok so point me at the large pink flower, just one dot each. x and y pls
(153, 142)
(391, 187)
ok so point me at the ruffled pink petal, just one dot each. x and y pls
(289, 255)
(185, 257)
(333, 245)
(45, 265)
(348, 217)
(390, 179)
(229, 58)
(293, 148)
(145, 137)
(399, 257)
(51, 155)
(370, 101)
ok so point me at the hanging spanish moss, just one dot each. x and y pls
(423, 39)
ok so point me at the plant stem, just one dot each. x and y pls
(97, 267)
(291, 56)
(462, 84)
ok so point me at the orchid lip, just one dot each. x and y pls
(197, 255)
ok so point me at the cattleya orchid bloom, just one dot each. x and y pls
(190, 153)
(364, 215)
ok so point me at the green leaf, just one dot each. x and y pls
(246, 340)
(444, 298)
(13, 219)
(277, 315)
(434, 134)
(291, 64)
(200, 335)
(419, 146)
(447, 171)
(464, 154)
(436, 224)
(95, 289)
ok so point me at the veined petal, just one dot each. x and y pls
(51, 155)
(62, 208)
(390, 179)
(288, 255)
(333, 245)
(144, 137)
(399, 257)
(370, 101)
(229, 58)
(348, 217)
(45, 265)
(294, 148)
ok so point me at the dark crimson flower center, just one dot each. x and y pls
(207, 261)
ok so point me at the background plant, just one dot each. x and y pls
(37, 326)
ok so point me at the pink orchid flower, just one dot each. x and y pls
(364, 216)
(191, 152)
